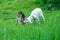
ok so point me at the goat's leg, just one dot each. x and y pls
(38, 20)
(43, 18)
(16, 21)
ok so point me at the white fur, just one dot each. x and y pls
(18, 18)
(35, 14)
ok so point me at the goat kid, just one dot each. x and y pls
(20, 17)
(36, 14)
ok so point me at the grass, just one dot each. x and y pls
(50, 30)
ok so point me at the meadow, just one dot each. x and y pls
(48, 30)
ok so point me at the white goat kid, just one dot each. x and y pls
(36, 15)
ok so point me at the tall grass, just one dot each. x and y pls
(48, 30)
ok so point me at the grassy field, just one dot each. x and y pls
(49, 30)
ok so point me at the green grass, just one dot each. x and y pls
(49, 30)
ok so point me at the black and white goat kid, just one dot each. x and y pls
(20, 17)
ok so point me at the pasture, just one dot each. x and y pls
(48, 30)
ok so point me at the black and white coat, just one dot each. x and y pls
(20, 17)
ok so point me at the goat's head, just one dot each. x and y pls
(20, 14)
(26, 20)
